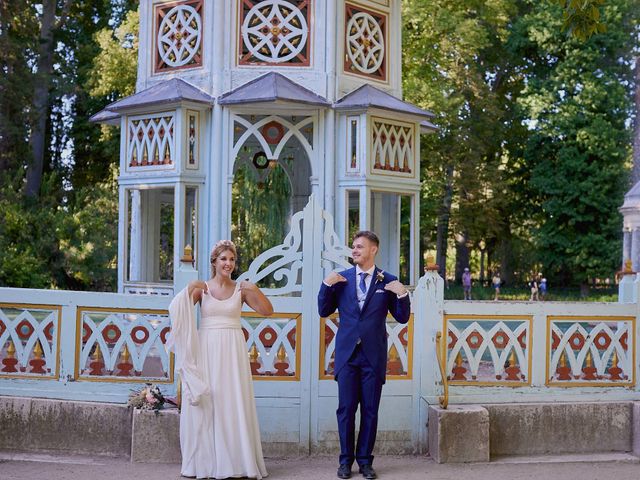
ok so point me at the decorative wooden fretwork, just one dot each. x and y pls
(399, 348)
(29, 340)
(275, 32)
(192, 139)
(365, 42)
(590, 351)
(488, 350)
(178, 35)
(273, 132)
(353, 145)
(150, 141)
(272, 344)
(123, 344)
(392, 147)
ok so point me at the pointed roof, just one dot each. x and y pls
(631, 200)
(169, 91)
(106, 116)
(272, 87)
(368, 96)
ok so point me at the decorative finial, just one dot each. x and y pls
(431, 264)
(187, 256)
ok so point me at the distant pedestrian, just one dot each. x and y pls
(533, 285)
(496, 281)
(466, 283)
(543, 288)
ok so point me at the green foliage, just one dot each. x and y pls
(45, 245)
(577, 105)
(114, 70)
(260, 212)
(18, 40)
(582, 18)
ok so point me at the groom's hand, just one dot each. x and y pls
(333, 278)
(396, 287)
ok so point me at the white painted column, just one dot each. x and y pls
(330, 161)
(626, 246)
(135, 252)
(635, 249)
(428, 308)
(122, 237)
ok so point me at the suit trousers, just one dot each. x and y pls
(358, 384)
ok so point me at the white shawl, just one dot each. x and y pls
(183, 341)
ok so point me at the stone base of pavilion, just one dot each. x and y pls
(480, 433)
(459, 434)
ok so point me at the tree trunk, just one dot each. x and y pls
(41, 99)
(635, 172)
(462, 255)
(505, 255)
(483, 253)
(444, 215)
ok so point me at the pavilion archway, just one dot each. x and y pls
(271, 179)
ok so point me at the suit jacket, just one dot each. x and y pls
(368, 324)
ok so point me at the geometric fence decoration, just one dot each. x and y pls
(116, 344)
(29, 340)
(365, 45)
(590, 351)
(151, 141)
(275, 32)
(272, 345)
(488, 350)
(178, 36)
(392, 145)
(399, 347)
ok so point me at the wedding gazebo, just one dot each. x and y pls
(311, 87)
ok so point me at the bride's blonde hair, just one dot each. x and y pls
(218, 248)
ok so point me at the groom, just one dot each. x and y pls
(363, 296)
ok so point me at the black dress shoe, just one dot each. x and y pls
(344, 471)
(368, 472)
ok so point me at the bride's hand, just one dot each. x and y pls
(202, 285)
(247, 286)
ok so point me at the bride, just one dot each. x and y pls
(219, 434)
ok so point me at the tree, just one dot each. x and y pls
(576, 105)
(18, 27)
(457, 65)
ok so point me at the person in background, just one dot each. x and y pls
(543, 288)
(533, 285)
(466, 283)
(496, 281)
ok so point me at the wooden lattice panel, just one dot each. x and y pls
(273, 345)
(275, 32)
(123, 345)
(590, 351)
(150, 141)
(29, 340)
(365, 42)
(488, 350)
(392, 147)
(178, 35)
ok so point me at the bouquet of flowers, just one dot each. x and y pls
(147, 398)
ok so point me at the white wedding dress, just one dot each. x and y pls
(220, 437)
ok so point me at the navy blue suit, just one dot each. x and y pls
(360, 356)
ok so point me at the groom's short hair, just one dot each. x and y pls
(369, 235)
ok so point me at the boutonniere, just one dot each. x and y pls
(380, 276)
